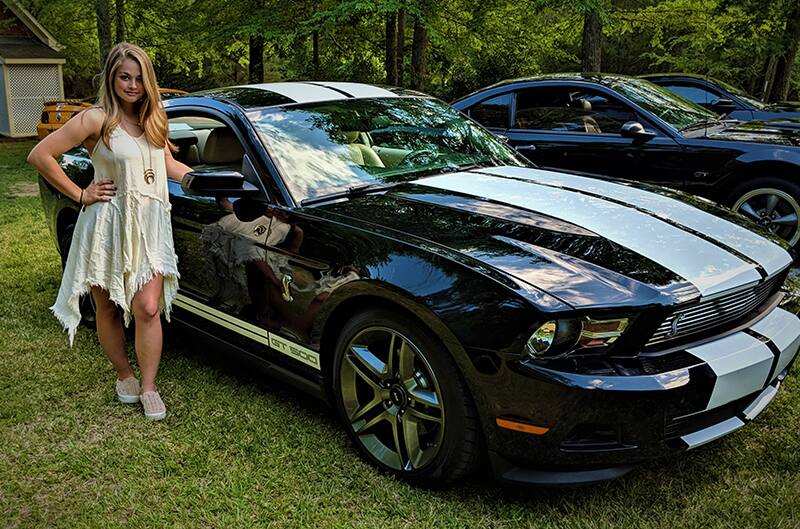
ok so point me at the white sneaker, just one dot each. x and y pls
(154, 408)
(128, 390)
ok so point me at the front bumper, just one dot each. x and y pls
(598, 426)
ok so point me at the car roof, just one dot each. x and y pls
(678, 76)
(597, 78)
(284, 93)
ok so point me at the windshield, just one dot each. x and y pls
(670, 107)
(323, 148)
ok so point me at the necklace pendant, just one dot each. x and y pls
(149, 176)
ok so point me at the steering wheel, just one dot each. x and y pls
(417, 157)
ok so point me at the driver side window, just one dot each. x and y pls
(570, 109)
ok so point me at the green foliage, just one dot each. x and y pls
(200, 44)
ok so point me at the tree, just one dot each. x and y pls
(783, 74)
(103, 29)
(391, 49)
(120, 15)
(591, 46)
(419, 50)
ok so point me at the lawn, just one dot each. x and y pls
(240, 450)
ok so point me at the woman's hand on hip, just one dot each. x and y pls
(102, 191)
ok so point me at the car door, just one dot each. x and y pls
(216, 249)
(579, 128)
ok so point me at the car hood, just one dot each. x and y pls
(781, 131)
(588, 242)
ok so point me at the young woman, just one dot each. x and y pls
(122, 249)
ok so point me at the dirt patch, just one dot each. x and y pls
(24, 189)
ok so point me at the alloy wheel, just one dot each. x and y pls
(776, 210)
(392, 399)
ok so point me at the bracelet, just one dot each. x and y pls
(81, 199)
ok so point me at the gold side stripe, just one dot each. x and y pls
(278, 343)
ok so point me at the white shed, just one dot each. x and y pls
(30, 70)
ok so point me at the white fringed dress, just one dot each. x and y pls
(119, 245)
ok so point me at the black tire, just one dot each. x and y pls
(415, 420)
(773, 203)
(87, 307)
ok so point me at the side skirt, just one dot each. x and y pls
(314, 388)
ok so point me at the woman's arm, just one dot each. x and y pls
(85, 125)
(175, 169)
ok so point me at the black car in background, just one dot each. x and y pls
(725, 99)
(380, 251)
(631, 128)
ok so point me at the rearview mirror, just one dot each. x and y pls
(218, 184)
(635, 130)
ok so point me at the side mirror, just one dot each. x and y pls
(723, 106)
(635, 130)
(218, 184)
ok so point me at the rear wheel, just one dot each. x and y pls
(773, 203)
(402, 399)
(87, 306)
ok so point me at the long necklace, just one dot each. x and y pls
(149, 174)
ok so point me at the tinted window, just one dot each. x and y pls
(570, 109)
(693, 93)
(492, 113)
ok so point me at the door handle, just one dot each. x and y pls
(525, 147)
(286, 287)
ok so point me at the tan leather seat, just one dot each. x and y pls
(361, 153)
(222, 147)
(589, 123)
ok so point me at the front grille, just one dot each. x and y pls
(713, 312)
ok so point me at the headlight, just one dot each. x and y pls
(556, 338)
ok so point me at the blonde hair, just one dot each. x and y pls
(152, 117)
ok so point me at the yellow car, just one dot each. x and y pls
(56, 113)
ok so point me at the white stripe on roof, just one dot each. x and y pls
(301, 92)
(359, 89)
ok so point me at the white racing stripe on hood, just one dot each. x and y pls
(358, 89)
(707, 266)
(770, 256)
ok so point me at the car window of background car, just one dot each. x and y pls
(695, 94)
(492, 113)
(569, 109)
(321, 148)
(670, 107)
(741, 94)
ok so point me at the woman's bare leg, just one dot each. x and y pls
(110, 333)
(145, 307)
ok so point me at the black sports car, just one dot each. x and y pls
(722, 98)
(382, 252)
(630, 128)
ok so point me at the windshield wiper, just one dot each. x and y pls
(354, 190)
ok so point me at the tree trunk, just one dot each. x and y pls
(592, 43)
(315, 52)
(120, 15)
(391, 49)
(769, 77)
(783, 73)
(103, 29)
(419, 48)
(401, 44)
(256, 59)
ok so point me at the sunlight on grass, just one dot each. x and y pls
(240, 450)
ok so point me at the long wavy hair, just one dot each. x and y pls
(152, 117)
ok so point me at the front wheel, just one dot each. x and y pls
(402, 399)
(773, 204)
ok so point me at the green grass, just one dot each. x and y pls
(238, 450)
